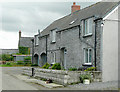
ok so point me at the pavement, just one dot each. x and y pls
(40, 82)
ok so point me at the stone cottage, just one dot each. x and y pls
(86, 37)
(25, 42)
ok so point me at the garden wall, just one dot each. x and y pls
(61, 76)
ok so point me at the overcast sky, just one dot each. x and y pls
(29, 17)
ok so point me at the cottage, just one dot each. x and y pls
(86, 37)
(25, 42)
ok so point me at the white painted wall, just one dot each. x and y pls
(110, 47)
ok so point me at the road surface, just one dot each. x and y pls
(9, 82)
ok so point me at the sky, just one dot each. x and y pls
(29, 17)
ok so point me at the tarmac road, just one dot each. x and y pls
(10, 82)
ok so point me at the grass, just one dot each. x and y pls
(13, 64)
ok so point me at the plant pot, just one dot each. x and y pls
(86, 81)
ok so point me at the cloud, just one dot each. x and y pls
(29, 17)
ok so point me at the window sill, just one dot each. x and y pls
(87, 64)
(36, 45)
(87, 35)
(53, 42)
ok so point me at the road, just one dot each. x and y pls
(9, 82)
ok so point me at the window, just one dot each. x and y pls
(53, 36)
(53, 57)
(88, 26)
(88, 56)
(72, 22)
(36, 40)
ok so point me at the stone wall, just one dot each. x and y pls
(61, 76)
(9, 51)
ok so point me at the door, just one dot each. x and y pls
(43, 58)
(63, 57)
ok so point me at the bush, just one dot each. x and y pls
(34, 65)
(6, 57)
(46, 66)
(8, 63)
(56, 66)
(72, 69)
(90, 69)
(20, 62)
(27, 60)
(85, 76)
(23, 50)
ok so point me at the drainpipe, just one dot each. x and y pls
(32, 50)
(46, 48)
(95, 43)
(32, 56)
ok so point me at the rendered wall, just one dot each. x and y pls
(110, 48)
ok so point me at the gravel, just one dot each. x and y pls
(113, 85)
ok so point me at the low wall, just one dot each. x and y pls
(9, 51)
(61, 76)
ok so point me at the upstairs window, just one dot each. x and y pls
(87, 26)
(88, 56)
(53, 36)
(36, 40)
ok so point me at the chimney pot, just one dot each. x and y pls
(74, 3)
(75, 7)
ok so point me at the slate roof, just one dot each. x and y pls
(100, 9)
(25, 42)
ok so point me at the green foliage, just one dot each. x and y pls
(17, 54)
(46, 66)
(90, 69)
(20, 62)
(6, 57)
(34, 65)
(8, 63)
(23, 50)
(56, 66)
(27, 60)
(72, 69)
(85, 76)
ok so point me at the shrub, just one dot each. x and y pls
(90, 69)
(72, 69)
(23, 50)
(46, 66)
(20, 62)
(56, 66)
(8, 63)
(34, 65)
(85, 76)
(6, 57)
(27, 60)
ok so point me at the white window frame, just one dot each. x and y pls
(53, 36)
(88, 26)
(87, 63)
(36, 40)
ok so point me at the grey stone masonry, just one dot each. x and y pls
(61, 76)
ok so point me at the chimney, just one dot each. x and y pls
(19, 34)
(75, 7)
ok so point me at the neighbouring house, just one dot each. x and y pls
(25, 42)
(86, 37)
